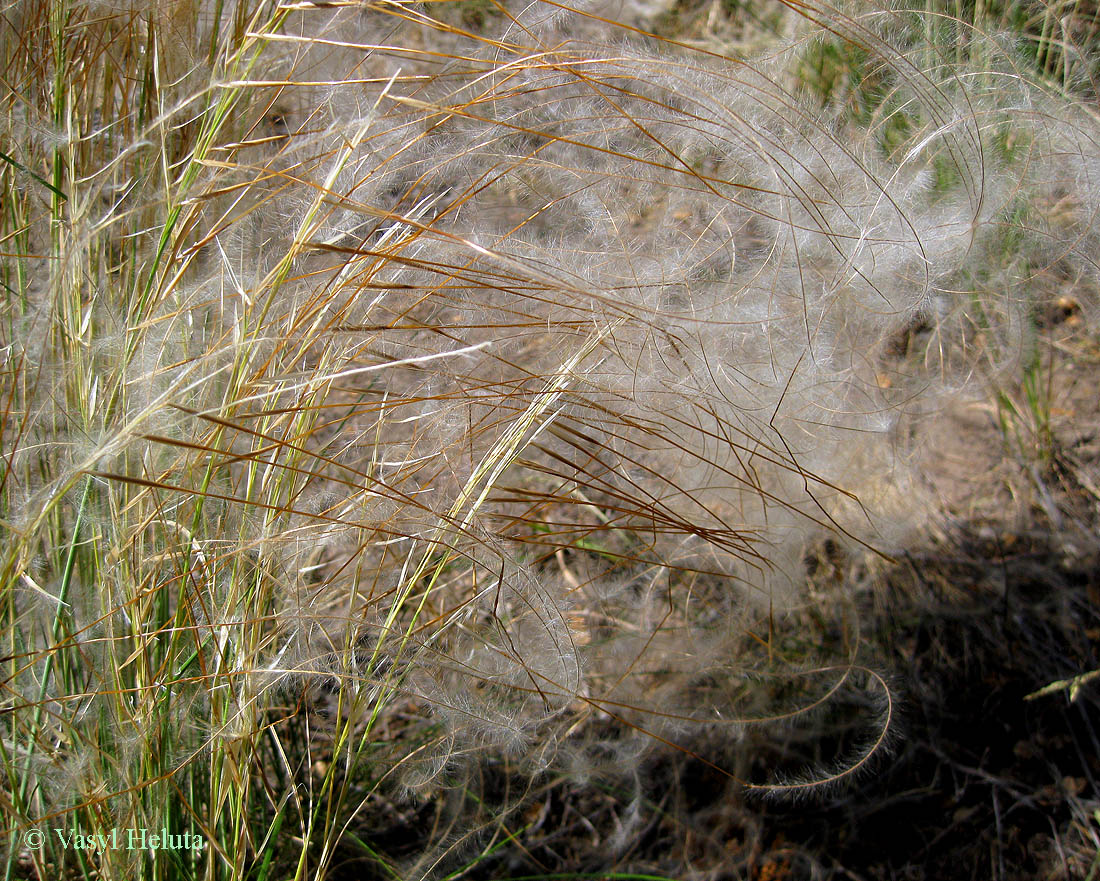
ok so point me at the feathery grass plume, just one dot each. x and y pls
(401, 399)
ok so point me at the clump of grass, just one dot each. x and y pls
(395, 403)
